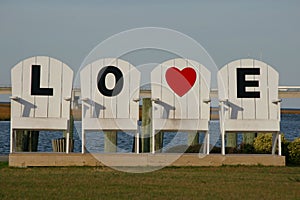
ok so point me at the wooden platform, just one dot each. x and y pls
(133, 160)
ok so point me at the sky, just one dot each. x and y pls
(267, 30)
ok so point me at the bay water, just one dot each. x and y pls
(290, 127)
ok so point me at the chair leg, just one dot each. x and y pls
(82, 141)
(68, 142)
(223, 142)
(11, 140)
(137, 143)
(279, 143)
(274, 142)
(207, 143)
(153, 141)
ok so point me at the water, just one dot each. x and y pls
(290, 126)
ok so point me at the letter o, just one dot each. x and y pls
(118, 78)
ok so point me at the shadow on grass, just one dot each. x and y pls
(3, 165)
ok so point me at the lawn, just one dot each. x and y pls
(239, 182)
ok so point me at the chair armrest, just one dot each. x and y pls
(67, 98)
(223, 100)
(155, 100)
(84, 99)
(276, 101)
(15, 98)
(136, 99)
(206, 100)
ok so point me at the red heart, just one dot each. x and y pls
(180, 81)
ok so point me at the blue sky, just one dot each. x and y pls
(228, 30)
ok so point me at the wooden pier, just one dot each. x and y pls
(141, 160)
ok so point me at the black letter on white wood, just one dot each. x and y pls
(118, 81)
(242, 83)
(35, 83)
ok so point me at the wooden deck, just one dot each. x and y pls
(137, 160)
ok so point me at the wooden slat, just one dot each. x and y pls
(28, 101)
(123, 99)
(55, 82)
(273, 80)
(85, 82)
(181, 105)
(156, 78)
(248, 103)
(235, 104)
(194, 102)
(17, 87)
(262, 104)
(97, 106)
(204, 93)
(134, 92)
(110, 103)
(67, 84)
(168, 100)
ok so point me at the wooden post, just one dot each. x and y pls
(71, 129)
(248, 138)
(159, 140)
(146, 125)
(27, 141)
(231, 140)
(110, 141)
(193, 138)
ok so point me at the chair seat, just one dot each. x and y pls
(109, 124)
(180, 124)
(40, 123)
(251, 125)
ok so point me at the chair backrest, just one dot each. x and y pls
(40, 86)
(250, 90)
(182, 89)
(108, 88)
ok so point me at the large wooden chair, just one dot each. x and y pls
(180, 93)
(248, 95)
(110, 95)
(41, 95)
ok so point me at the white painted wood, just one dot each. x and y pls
(168, 108)
(17, 89)
(110, 103)
(181, 103)
(248, 114)
(28, 101)
(41, 102)
(40, 123)
(124, 98)
(235, 107)
(55, 80)
(134, 92)
(248, 103)
(273, 80)
(156, 91)
(98, 108)
(36, 112)
(193, 98)
(86, 94)
(66, 87)
(100, 112)
(262, 104)
(189, 112)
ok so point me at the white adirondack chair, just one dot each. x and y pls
(178, 104)
(41, 95)
(241, 109)
(116, 107)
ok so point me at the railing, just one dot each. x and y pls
(284, 92)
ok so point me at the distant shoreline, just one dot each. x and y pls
(5, 112)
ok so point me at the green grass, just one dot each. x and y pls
(225, 182)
